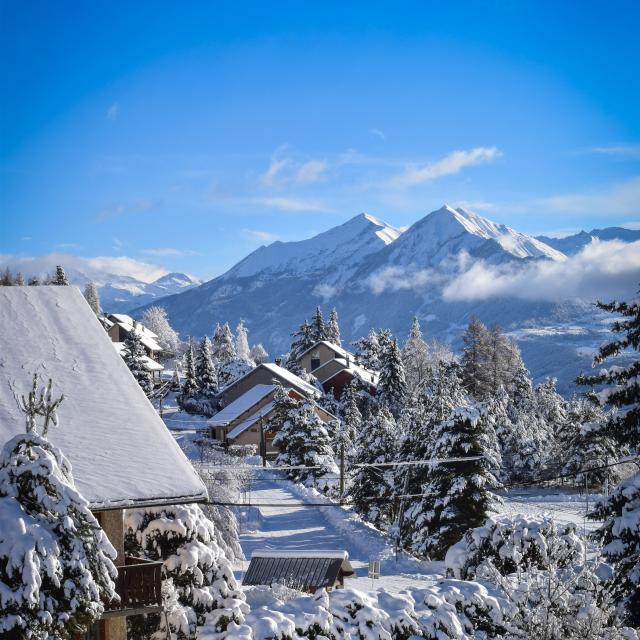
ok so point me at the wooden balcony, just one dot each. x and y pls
(139, 587)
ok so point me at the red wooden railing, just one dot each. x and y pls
(138, 585)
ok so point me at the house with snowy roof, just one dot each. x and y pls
(304, 570)
(121, 453)
(248, 420)
(266, 374)
(335, 368)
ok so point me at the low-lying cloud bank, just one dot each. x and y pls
(601, 271)
(97, 269)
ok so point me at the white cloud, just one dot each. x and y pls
(618, 199)
(324, 291)
(113, 112)
(98, 268)
(378, 133)
(292, 204)
(401, 278)
(602, 270)
(276, 166)
(475, 205)
(629, 150)
(260, 236)
(310, 171)
(140, 205)
(450, 164)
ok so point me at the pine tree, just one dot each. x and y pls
(367, 351)
(457, 495)
(318, 327)
(551, 406)
(156, 320)
(34, 281)
(259, 353)
(206, 374)
(415, 356)
(475, 357)
(6, 280)
(585, 445)
(183, 538)
(92, 298)
(371, 488)
(302, 340)
(190, 384)
(352, 418)
(620, 534)
(333, 329)
(61, 277)
(282, 404)
(133, 355)
(242, 343)
(503, 360)
(392, 387)
(56, 563)
(223, 349)
(304, 440)
(19, 282)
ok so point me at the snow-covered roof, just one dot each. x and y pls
(149, 364)
(240, 405)
(280, 372)
(366, 375)
(120, 450)
(338, 350)
(147, 337)
(251, 420)
(301, 553)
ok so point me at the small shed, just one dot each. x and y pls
(304, 570)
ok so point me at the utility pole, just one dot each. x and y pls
(263, 444)
(342, 468)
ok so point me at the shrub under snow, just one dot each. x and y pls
(56, 563)
(514, 543)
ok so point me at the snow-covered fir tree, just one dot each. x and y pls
(620, 533)
(184, 540)
(60, 277)
(585, 445)
(259, 353)
(156, 320)
(333, 328)
(302, 339)
(367, 350)
(229, 364)
(93, 299)
(224, 349)
(206, 374)
(371, 489)
(457, 495)
(474, 359)
(352, 418)
(19, 281)
(551, 406)
(189, 389)
(318, 326)
(304, 440)
(242, 343)
(133, 355)
(503, 360)
(416, 358)
(6, 279)
(56, 563)
(282, 404)
(392, 386)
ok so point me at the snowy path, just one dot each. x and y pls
(331, 527)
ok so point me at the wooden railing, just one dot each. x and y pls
(139, 587)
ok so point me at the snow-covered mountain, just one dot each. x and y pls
(123, 293)
(377, 276)
(570, 245)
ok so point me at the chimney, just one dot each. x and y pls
(278, 361)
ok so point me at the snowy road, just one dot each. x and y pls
(331, 527)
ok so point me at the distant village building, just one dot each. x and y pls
(120, 325)
(265, 374)
(303, 570)
(121, 453)
(248, 418)
(336, 367)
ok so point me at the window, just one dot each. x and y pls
(315, 361)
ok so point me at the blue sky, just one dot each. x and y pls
(187, 134)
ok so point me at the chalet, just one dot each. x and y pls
(121, 453)
(304, 570)
(247, 419)
(120, 325)
(265, 374)
(336, 367)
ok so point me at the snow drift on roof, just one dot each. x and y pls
(121, 452)
(240, 405)
(300, 553)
